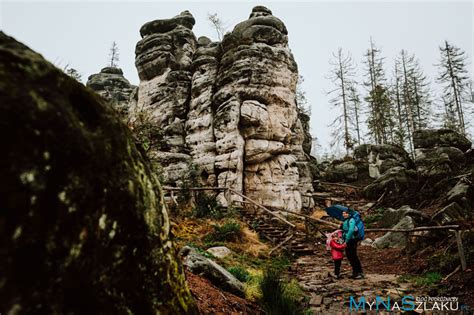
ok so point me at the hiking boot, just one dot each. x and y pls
(338, 277)
(359, 276)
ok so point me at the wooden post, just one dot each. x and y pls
(457, 233)
(408, 248)
(306, 231)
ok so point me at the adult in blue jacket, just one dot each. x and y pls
(350, 237)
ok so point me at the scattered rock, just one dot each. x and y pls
(391, 216)
(462, 193)
(382, 157)
(450, 213)
(207, 268)
(366, 242)
(395, 239)
(438, 162)
(316, 300)
(342, 172)
(394, 182)
(219, 251)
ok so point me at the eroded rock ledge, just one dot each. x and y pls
(227, 106)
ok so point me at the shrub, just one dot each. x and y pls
(276, 297)
(229, 231)
(375, 217)
(240, 273)
(207, 206)
(425, 280)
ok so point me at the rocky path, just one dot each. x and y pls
(329, 295)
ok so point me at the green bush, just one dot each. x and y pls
(228, 232)
(277, 298)
(428, 279)
(425, 280)
(207, 206)
(240, 273)
(375, 217)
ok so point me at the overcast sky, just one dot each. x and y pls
(80, 34)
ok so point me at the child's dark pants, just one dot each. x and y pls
(351, 252)
(337, 266)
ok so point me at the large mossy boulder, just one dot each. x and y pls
(394, 183)
(382, 157)
(431, 138)
(83, 227)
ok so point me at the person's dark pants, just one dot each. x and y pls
(337, 266)
(351, 253)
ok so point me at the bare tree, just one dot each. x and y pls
(345, 98)
(114, 55)
(412, 99)
(218, 25)
(453, 75)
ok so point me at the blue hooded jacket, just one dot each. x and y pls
(348, 228)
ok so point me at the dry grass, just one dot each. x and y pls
(251, 244)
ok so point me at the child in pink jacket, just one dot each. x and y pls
(337, 245)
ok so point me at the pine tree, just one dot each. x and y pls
(300, 97)
(453, 77)
(379, 120)
(412, 99)
(114, 55)
(344, 98)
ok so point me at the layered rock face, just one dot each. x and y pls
(163, 60)
(382, 157)
(229, 107)
(112, 86)
(83, 226)
(439, 152)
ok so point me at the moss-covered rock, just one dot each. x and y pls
(83, 227)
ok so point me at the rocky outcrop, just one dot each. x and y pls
(112, 86)
(431, 138)
(463, 194)
(382, 157)
(395, 182)
(220, 277)
(391, 217)
(395, 239)
(83, 227)
(163, 60)
(228, 107)
(451, 213)
(342, 172)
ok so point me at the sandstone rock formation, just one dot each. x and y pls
(395, 183)
(112, 86)
(430, 138)
(439, 152)
(382, 157)
(228, 107)
(83, 227)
